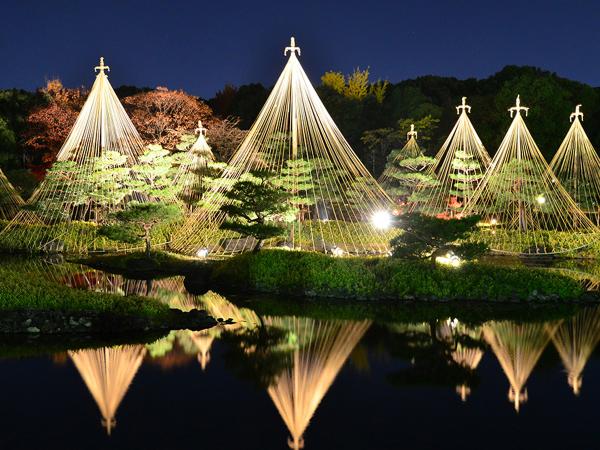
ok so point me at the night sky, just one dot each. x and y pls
(199, 46)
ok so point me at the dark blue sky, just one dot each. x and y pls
(199, 46)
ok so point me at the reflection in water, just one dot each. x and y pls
(467, 356)
(107, 373)
(170, 291)
(575, 340)
(322, 349)
(518, 348)
(298, 359)
(220, 308)
(203, 341)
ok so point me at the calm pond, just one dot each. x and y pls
(313, 381)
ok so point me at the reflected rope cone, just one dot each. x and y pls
(575, 340)
(108, 373)
(468, 357)
(323, 348)
(172, 292)
(460, 166)
(219, 307)
(83, 186)
(192, 172)
(333, 193)
(524, 207)
(203, 341)
(517, 348)
(577, 166)
(10, 200)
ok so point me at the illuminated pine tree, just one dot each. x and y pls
(459, 167)
(198, 169)
(466, 174)
(294, 125)
(577, 166)
(64, 212)
(406, 170)
(525, 209)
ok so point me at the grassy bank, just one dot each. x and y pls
(32, 304)
(25, 292)
(317, 275)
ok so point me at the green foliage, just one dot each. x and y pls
(137, 220)
(8, 143)
(466, 174)
(314, 274)
(153, 173)
(388, 144)
(425, 237)
(257, 208)
(296, 179)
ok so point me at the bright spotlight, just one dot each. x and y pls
(202, 253)
(494, 221)
(449, 260)
(540, 199)
(337, 252)
(381, 220)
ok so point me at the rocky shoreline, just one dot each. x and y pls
(35, 321)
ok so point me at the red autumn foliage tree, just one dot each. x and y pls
(48, 126)
(162, 116)
(225, 137)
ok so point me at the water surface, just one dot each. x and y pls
(307, 381)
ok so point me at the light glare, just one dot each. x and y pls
(381, 220)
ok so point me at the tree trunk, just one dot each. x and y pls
(258, 246)
(148, 244)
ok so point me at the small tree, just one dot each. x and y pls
(410, 174)
(136, 222)
(466, 174)
(425, 237)
(296, 179)
(257, 208)
(154, 174)
(516, 187)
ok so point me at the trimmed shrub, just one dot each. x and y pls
(314, 274)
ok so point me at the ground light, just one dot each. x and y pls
(450, 259)
(381, 220)
(202, 253)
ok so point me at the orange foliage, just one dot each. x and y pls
(162, 116)
(48, 126)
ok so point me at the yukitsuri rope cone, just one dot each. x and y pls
(193, 172)
(524, 209)
(295, 138)
(575, 340)
(517, 348)
(86, 183)
(460, 166)
(577, 166)
(404, 170)
(108, 373)
(10, 200)
(323, 348)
